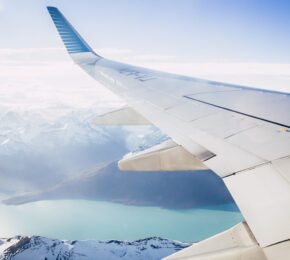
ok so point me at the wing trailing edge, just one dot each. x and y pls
(237, 242)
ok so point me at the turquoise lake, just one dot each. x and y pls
(82, 220)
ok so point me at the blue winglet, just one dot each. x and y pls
(73, 42)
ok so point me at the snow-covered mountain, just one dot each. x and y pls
(41, 248)
(49, 150)
(23, 130)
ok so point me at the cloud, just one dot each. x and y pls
(33, 55)
(52, 66)
(260, 75)
(113, 51)
(47, 81)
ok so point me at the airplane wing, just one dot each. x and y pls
(241, 133)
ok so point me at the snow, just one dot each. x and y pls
(35, 248)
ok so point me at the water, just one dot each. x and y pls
(81, 220)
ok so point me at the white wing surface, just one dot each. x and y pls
(241, 133)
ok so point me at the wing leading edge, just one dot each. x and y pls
(240, 133)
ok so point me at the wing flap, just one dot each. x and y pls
(125, 116)
(235, 243)
(167, 156)
(263, 196)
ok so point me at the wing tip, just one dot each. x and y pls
(73, 42)
(51, 8)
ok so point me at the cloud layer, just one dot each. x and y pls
(55, 63)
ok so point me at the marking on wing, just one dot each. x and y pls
(136, 74)
(285, 130)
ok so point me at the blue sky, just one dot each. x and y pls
(198, 30)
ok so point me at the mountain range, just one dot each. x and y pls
(41, 248)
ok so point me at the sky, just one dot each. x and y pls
(243, 41)
(202, 30)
